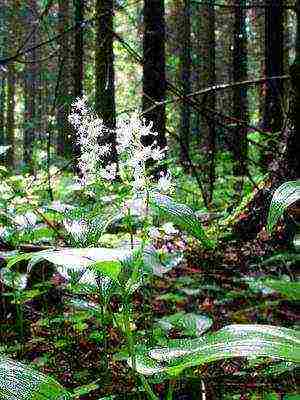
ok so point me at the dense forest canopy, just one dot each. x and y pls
(149, 199)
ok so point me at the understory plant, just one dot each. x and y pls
(104, 273)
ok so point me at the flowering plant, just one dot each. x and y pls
(133, 155)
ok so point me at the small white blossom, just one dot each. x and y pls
(77, 229)
(109, 172)
(165, 183)
(153, 232)
(169, 228)
(136, 206)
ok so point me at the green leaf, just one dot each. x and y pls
(111, 269)
(190, 324)
(291, 396)
(77, 262)
(182, 215)
(284, 196)
(229, 342)
(84, 390)
(19, 381)
(290, 290)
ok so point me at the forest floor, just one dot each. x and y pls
(214, 283)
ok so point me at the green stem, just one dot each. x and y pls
(148, 389)
(131, 348)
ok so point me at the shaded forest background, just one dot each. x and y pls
(164, 59)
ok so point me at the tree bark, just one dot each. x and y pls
(11, 91)
(30, 88)
(64, 144)
(240, 101)
(293, 145)
(185, 66)
(273, 113)
(154, 81)
(104, 72)
(78, 74)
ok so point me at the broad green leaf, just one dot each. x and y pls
(231, 341)
(85, 390)
(190, 324)
(284, 196)
(111, 269)
(290, 290)
(85, 305)
(77, 261)
(19, 381)
(158, 262)
(182, 215)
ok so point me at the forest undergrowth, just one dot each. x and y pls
(118, 290)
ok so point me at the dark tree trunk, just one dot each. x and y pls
(273, 114)
(240, 102)
(211, 101)
(185, 64)
(78, 74)
(78, 50)
(293, 146)
(154, 81)
(30, 88)
(10, 114)
(104, 71)
(3, 45)
(64, 145)
(11, 91)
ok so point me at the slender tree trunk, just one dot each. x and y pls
(273, 113)
(64, 145)
(78, 63)
(3, 45)
(11, 92)
(185, 64)
(240, 102)
(104, 71)
(211, 102)
(30, 89)
(154, 82)
(10, 114)
(293, 146)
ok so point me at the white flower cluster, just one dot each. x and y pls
(132, 153)
(90, 128)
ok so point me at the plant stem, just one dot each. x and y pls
(148, 389)
(131, 348)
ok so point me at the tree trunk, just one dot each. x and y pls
(3, 45)
(11, 91)
(273, 113)
(10, 114)
(293, 145)
(104, 72)
(185, 66)
(64, 144)
(77, 69)
(240, 102)
(154, 82)
(30, 88)
(211, 101)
